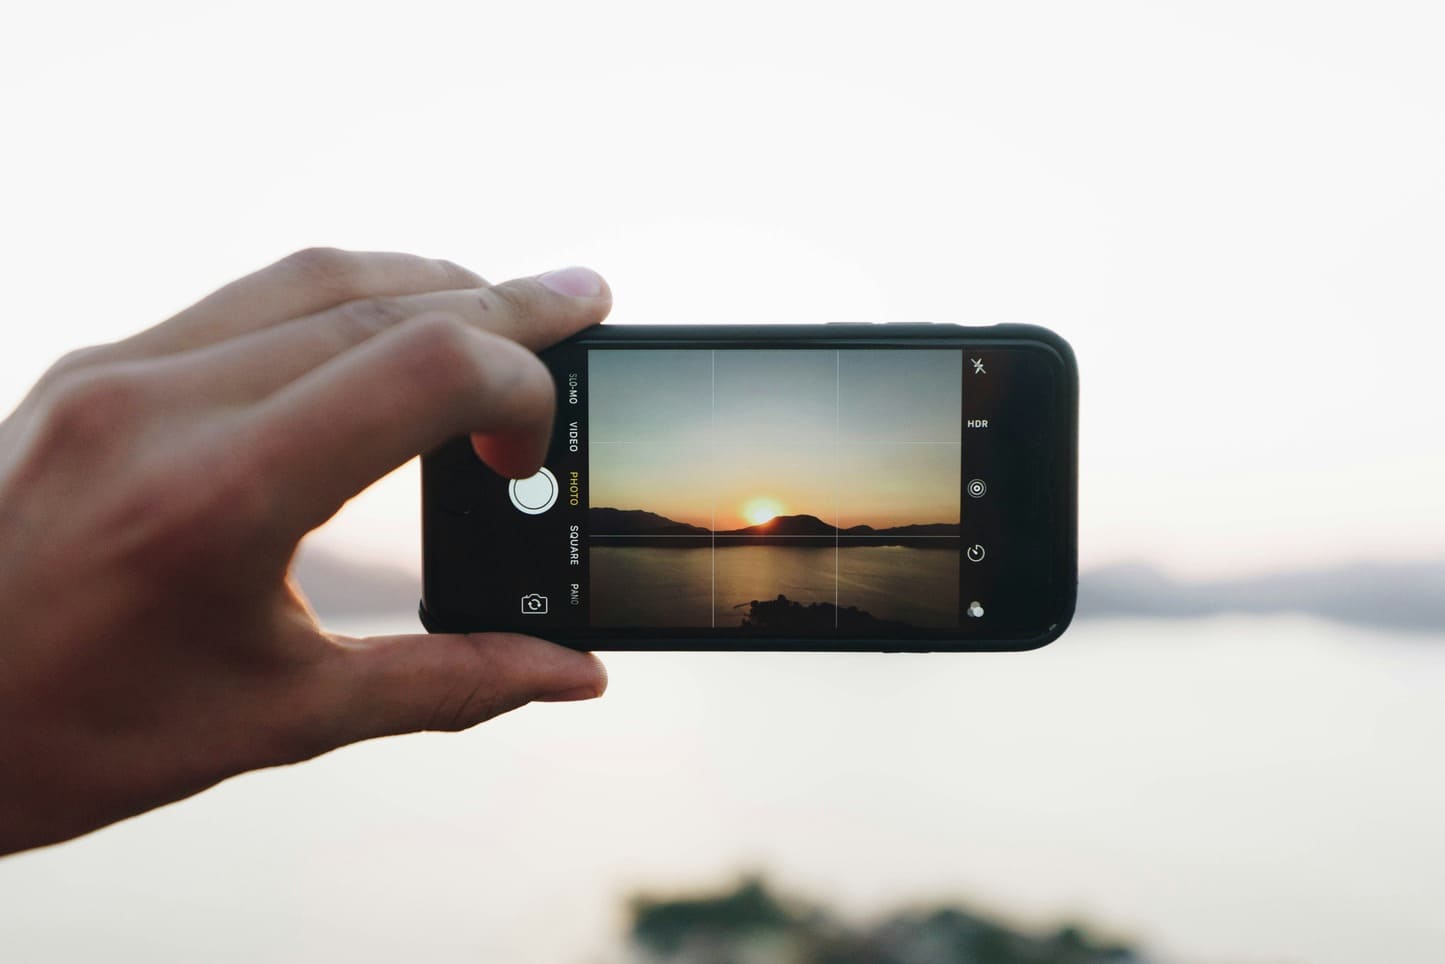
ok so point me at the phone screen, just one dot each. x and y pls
(848, 491)
(790, 491)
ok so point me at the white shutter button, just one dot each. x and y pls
(534, 495)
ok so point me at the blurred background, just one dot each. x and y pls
(1236, 214)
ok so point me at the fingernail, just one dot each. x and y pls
(569, 696)
(573, 282)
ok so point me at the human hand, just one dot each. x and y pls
(152, 494)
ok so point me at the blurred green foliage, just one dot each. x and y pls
(751, 924)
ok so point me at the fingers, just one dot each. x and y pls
(534, 312)
(340, 427)
(300, 284)
(402, 684)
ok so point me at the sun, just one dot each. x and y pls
(760, 510)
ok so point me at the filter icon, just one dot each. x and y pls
(977, 487)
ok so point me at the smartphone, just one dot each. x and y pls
(859, 487)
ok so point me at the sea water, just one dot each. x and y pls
(1234, 789)
(650, 586)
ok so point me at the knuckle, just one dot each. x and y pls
(466, 713)
(101, 425)
(74, 361)
(441, 349)
(457, 276)
(468, 699)
(361, 319)
(519, 301)
(93, 406)
(337, 272)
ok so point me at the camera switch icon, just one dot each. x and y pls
(534, 604)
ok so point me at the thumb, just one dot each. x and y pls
(402, 684)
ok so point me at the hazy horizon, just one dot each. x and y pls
(1383, 597)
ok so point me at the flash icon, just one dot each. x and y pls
(978, 366)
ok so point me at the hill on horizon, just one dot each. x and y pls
(638, 522)
(1401, 596)
(626, 522)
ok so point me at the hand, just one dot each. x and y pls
(153, 491)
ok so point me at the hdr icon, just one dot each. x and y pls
(977, 423)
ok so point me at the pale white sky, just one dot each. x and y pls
(1235, 212)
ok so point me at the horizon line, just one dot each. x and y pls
(743, 535)
(788, 515)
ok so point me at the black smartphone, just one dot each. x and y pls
(863, 487)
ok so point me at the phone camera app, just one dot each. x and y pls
(534, 604)
(776, 491)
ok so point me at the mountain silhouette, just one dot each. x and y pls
(626, 522)
(1401, 596)
(637, 522)
(784, 525)
(926, 529)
